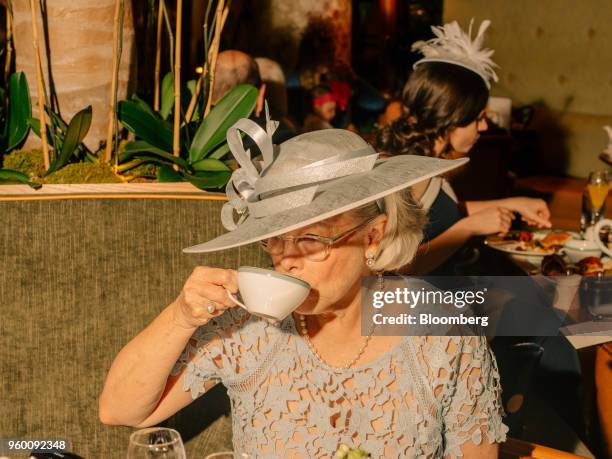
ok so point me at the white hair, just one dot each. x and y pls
(403, 231)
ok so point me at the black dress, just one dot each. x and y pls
(443, 211)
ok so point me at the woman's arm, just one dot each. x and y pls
(534, 211)
(464, 379)
(139, 390)
(137, 383)
(483, 451)
(476, 206)
(433, 253)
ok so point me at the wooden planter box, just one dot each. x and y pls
(83, 268)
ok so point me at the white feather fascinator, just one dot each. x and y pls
(452, 45)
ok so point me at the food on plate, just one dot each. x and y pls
(554, 239)
(522, 236)
(590, 266)
(549, 244)
(555, 265)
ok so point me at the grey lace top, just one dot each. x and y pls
(423, 398)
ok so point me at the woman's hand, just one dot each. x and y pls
(491, 220)
(205, 287)
(533, 211)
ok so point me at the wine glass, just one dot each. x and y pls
(594, 198)
(156, 443)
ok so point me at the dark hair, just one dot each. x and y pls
(438, 97)
(319, 91)
(317, 45)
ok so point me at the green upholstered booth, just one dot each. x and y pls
(79, 276)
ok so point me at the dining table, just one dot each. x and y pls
(586, 333)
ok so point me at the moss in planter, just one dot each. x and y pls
(29, 162)
(147, 170)
(84, 173)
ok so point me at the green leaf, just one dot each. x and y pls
(221, 151)
(238, 103)
(145, 125)
(91, 158)
(75, 133)
(209, 164)
(35, 125)
(57, 120)
(167, 95)
(20, 110)
(130, 165)
(148, 158)
(224, 149)
(16, 176)
(138, 146)
(142, 104)
(206, 179)
(191, 87)
(168, 174)
(186, 95)
(141, 149)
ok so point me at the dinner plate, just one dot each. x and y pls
(513, 247)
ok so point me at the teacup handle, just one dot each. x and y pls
(596, 229)
(235, 300)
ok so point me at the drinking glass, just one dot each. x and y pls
(594, 198)
(156, 443)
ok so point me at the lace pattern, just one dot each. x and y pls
(423, 398)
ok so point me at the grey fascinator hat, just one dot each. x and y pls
(306, 179)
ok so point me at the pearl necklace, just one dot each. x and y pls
(304, 331)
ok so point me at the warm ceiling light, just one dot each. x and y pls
(199, 70)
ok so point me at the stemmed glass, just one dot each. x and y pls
(156, 443)
(594, 198)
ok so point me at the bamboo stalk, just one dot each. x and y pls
(9, 40)
(221, 16)
(176, 149)
(160, 23)
(39, 88)
(194, 98)
(116, 93)
(111, 99)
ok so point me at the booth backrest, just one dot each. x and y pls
(78, 279)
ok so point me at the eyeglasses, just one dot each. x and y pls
(310, 246)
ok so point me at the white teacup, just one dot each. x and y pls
(269, 294)
(577, 249)
(595, 235)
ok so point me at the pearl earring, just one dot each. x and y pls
(370, 260)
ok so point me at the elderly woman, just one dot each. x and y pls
(444, 104)
(330, 213)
